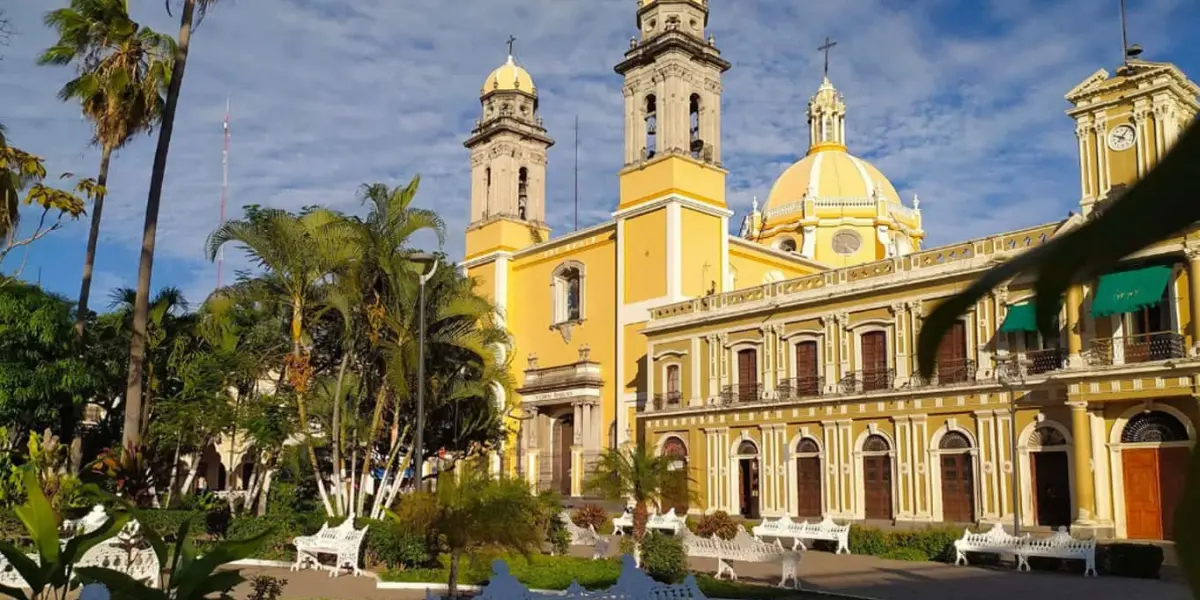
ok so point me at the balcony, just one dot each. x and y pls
(800, 387)
(1140, 348)
(668, 400)
(1045, 360)
(860, 382)
(741, 392)
(948, 372)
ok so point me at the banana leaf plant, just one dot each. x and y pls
(1163, 204)
(51, 574)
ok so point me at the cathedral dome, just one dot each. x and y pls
(509, 77)
(828, 174)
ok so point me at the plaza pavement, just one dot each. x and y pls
(864, 576)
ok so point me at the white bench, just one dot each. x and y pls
(343, 541)
(1058, 545)
(632, 584)
(745, 548)
(785, 528)
(993, 541)
(586, 537)
(669, 522)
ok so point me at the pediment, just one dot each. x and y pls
(1093, 81)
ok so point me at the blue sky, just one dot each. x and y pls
(959, 101)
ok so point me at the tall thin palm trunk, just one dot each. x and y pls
(132, 434)
(301, 404)
(336, 434)
(89, 260)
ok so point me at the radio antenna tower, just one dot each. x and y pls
(224, 191)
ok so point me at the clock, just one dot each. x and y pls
(1121, 137)
(846, 241)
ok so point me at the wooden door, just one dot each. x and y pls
(566, 438)
(808, 487)
(877, 476)
(952, 355)
(748, 487)
(1172, 469)
(808, 378)
(958, 488)
(673, 393)
(1143, 505)
(1052, 489)
(747, 375)
(875, 361)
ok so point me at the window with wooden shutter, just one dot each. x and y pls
(875, 373)
(952, 363)
(807, 375)
(747, 375)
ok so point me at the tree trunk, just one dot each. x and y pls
(174, 474)
(376, 421)
(641, 515)
(301, 407)
(132, 433)
(185, 489)
(336, 434)
(385, 494)
(452, 577)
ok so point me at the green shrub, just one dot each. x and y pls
(913, 554)
(558, 536)
(719, 524)
(393, 546)
(1130, 560)
(277, 544)
(868, 540)
(625, 545)
(166, 522)
(936, 543)
(663, 558)
(592, 515)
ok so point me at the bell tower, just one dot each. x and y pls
(508, 164)
(672, 94)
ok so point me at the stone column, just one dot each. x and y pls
(1193, 266)
(1074, 326)
(903, 339)
(1081, 452)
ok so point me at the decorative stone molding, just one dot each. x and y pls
(532, 361)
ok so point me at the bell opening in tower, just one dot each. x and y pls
(651, 126)
(694, 117)
(522, 192)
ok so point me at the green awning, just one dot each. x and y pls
(1130, 291)
(1021, 317)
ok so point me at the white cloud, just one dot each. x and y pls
(961, 106)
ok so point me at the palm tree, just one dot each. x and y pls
(299, 253)
(123, 69)
(17, 170)
(634, 474)
(137, 346)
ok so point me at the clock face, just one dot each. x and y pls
(1121, 138)
(846, 242)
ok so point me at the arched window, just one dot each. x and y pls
(694, 125)
(1153, 426)
(788, 245)
(807, 446)
(876, 443)
(673, 392)
(568, 293)
(674, 448)
(1044, 436)
(954, 441)
(487, 189)
(522, 192)
(651, 126)
(826, 129)
(747, 448)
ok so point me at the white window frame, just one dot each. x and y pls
(558, 290)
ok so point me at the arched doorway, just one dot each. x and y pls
(675, 494)
(1050, 476)
(958, 478)
(748, 480)
(1154, 455)
(808, 479)
(564, 438)
(877, 478)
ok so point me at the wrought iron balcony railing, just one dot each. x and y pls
(800, 387)
(947, 372)
(741, 392)
(1045, 360)
(1140, 348)
(667, 400)
(871, 380)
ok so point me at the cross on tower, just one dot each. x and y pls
(511, 40)
(826, 47)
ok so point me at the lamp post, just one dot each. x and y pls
(430, 262)
(1009, 364)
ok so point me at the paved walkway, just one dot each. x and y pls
(850, 574)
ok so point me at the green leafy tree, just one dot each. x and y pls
(471, 513)
(636, 474)
(122, 71)
(1165, 203)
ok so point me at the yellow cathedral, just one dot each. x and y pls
(776, 366)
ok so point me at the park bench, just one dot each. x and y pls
(122, 552)
(669, 522)
(785, 528)
(581, 536)
(993, 541)
(343, 541)
(744, 548)
(632, 584)
(1059, 545)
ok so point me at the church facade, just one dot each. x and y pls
(777, 365)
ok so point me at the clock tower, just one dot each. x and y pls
(1126, 122)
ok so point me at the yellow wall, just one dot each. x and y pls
(646, 256)
(672, 174)
(751, 264)
(505, 235)
(700, 253)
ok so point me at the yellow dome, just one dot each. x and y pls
(509, 76)
(827, 174)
